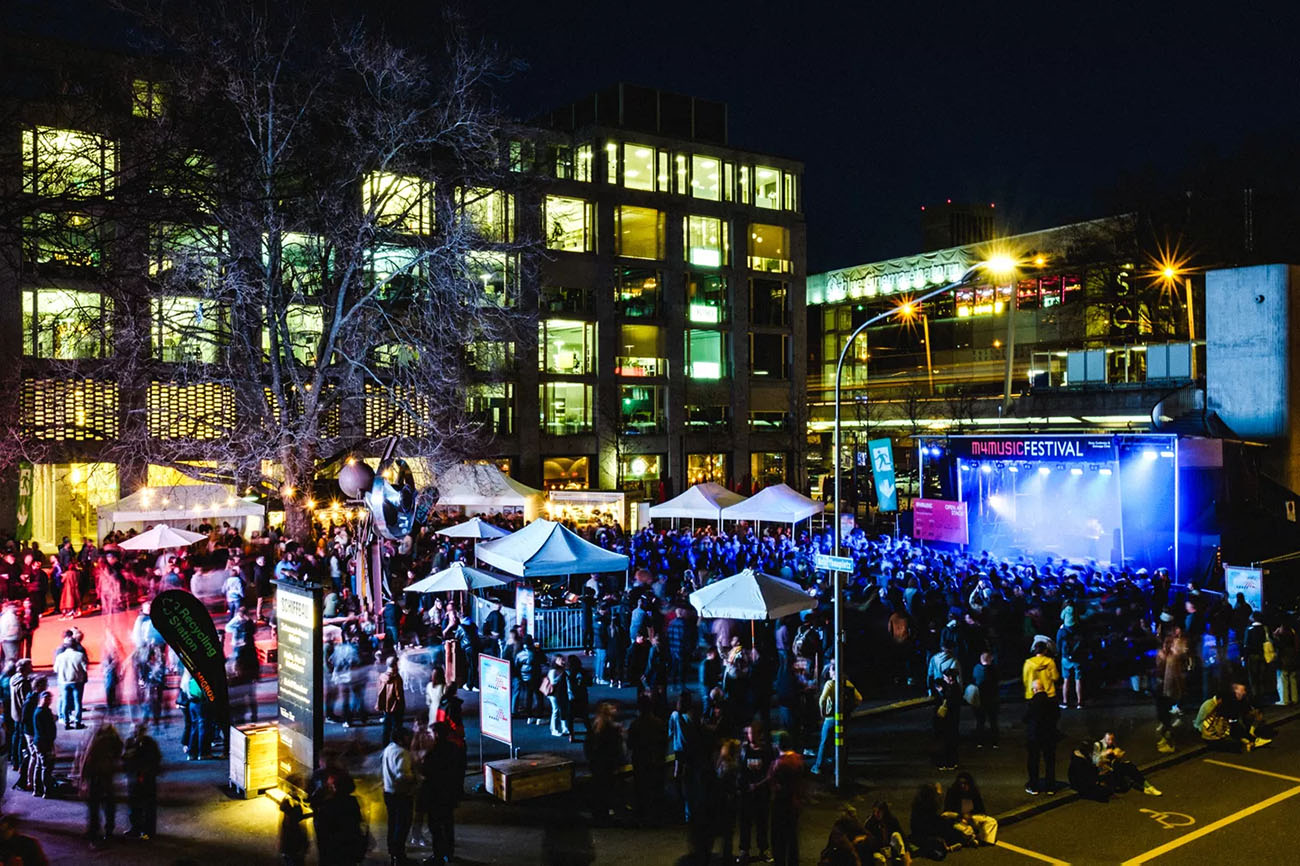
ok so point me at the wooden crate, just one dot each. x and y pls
(527, 777)
(253, 756)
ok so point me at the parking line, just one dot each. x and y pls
(1033, 854)
(1252, 770)
(1210, 828)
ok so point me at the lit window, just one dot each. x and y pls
(566, 347)
(640, 352)
(636, 292)
(640, 473)
(767, 187)
(706, 354)
(64, 239)
(767, 468)
(639, 167)
(187, 329)
(611, 162)
(706, 299)
(497, 274)
(147, 98)
(769, 248)
(185, 255)
(565, 472)
(491, 356)
(569, 224)
(706, 241)
(305, 261)
(767, 302)
(491, 405)
(397, 271)
(299, 330)
(639, 232)
(400, 202)
(523, 155)
(642, 408)
(769, 355)
(706, 467)
(67, 162)
(66, 325)
(573, 163)
(706, 181)
(565, 407)
(489, 212)
(791, 186)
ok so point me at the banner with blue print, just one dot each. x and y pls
(882, 472)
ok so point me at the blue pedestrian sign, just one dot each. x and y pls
(882, 471)
(822, 562)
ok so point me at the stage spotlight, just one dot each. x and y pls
(1169, 454)
(1025, 465)
(1092, 467)
(1105, 470)
(1149, 455)
(986, 468)
(1044, 470)
(1013, 468)
(1076, 471)
(964, 466)
(1060, 467)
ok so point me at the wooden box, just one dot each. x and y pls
(527, 777)
(253, 757)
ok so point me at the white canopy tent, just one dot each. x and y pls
(779, 503)
(482, 487)
(544, 549)
(458, 577)
(475, 527)
(700, 502)
(752, 596)
(180, 506)
(161, 537)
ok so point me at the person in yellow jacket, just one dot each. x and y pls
(850, 697)
(1041, 668)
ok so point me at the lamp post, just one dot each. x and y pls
(996, 265)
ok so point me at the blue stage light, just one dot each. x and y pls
(1044, 470)
(1076, 471)
(1168, 454)
(1149, 455)
(1105, 470)
(1013, 468)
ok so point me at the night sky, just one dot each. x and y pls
(1042, 108)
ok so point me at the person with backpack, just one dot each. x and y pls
(849, 699)
(1073, 653)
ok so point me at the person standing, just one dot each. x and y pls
(142, 761)
(786, 783)
(604, 751)
(647, 744)
(849, 697)
(99, 764)
(398, 770)
(1041, 736)
(71, 667)
(756, 758)
(947, 719)
(41, 733)
(110, 667)
(11, 631)
(557, 695)
(575, 680)
(985, 679)
(340, 838)
(443, 778)
(20, 687)
(391, 701)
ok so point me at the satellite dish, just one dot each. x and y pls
(392, 504)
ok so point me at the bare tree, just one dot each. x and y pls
(311, 246)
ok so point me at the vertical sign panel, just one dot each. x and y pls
(494, 699)
(301, 680)
(882, 472)
(1247, 581)
(23, 515)
(525, 602)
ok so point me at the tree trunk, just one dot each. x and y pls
(299, 477)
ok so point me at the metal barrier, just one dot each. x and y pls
(557, 628)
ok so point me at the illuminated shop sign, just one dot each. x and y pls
(1066, 449)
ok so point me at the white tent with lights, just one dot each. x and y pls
(482, 487)
(777, 504)
(180, 506)
(703, 501)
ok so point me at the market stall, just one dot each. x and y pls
(479, 487)
(778, 504)
(701, 502)
(183, 505)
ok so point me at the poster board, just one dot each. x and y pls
(1247, 581)
(525, 605)
(301, 691)
(940, 520)
(494, 699)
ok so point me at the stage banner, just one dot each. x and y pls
(940, 520)
(301, 690)
(525, 602)
(1062, 449)
(494, 699)
(1247, 581)
(882, 472)
(187, 627)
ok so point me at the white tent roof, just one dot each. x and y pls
(190, 503)
(703, 501)
(458, 577)
(161, 537)
(479, 485)
(780, 503)
(749, 595)
(543, 548)
(475, 527)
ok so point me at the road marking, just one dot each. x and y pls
(1210, 828)
(1169, 820)
(1252, 770)
(1032, 854)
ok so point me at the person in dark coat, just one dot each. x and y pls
(604, 751)
(336, 815)
(947, 719)
(1041, 736)
(442, 775)
(647, 741)
(634, 660)
(142, 761)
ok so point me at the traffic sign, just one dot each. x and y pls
(833, 563)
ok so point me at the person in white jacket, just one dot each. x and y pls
(72, 667)
(398, 768)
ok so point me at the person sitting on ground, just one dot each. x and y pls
(1084, 776)
(1116, 770)
(1223, 732)
(888, 831)
(965, 803)
(1240, 706)
(933, 833)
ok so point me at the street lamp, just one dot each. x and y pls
(908, 311)
(998, 264)
(1170, 269)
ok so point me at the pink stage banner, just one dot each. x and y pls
(940, 520)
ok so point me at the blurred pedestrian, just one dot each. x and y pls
(142, 761)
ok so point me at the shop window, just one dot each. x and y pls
(637, 292)
(570, 224)
(566, 473)
(301, 326)
(706, 241)
(492, 406)
(769, 248)
(769, 355)
(642, 353)
(565, 407)
(148, 98)
(399, 202)
(642, 408)
(66, 162)
(767, 468)
(706, 177)
(490, 213)
(715, 417)
(66, 325)
(187, 329)
(640, 474)
(706, 467)
(497, 274)
(66, 498)
(71, 240)
(708, 355)
(639, 232)
(768, 302)
(767, 187)
(566, 347)
(707, 301)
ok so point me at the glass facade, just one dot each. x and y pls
(187, 329)
(706, 241)
(639, 232)
(637, 292)
(565, 407)
(707, 301)
(570, 224)
(566, 347)
(66, 325)
(708, 354)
